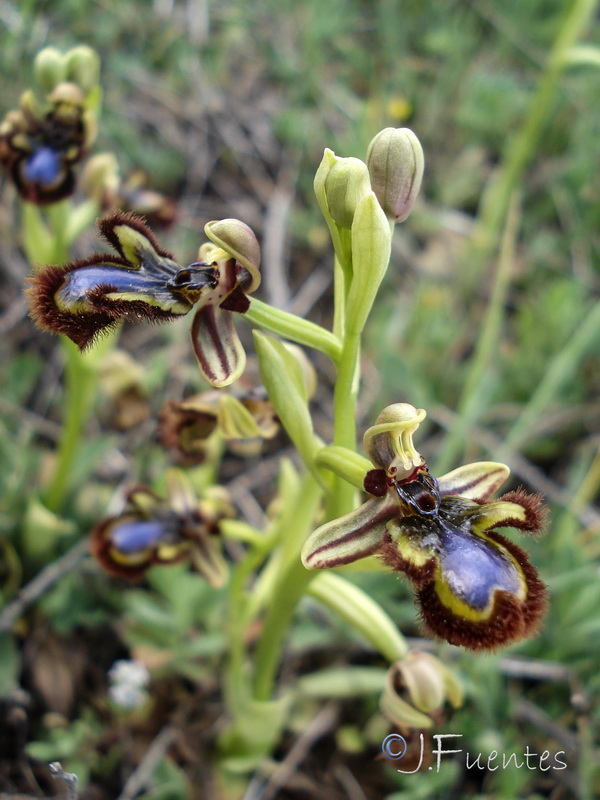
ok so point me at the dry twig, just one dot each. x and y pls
(42, 582)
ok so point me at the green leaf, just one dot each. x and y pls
(583, 55)
(371, 248)
(355, 607)
(284, 381)
(9, 664)
(343, 682)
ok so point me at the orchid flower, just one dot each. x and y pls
(474, 586)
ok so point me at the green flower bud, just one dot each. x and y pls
(395, 161)
(49, 69)
(423, 678)
(100, 178)
(347, 182)
(82, 66)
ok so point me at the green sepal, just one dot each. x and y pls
(349, 465)
(371, 249)
(282, 376)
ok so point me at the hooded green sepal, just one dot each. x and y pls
(371, 249)
(282, 376)
(49, 69)
(361, 612)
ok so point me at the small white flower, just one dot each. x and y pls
(128, 681)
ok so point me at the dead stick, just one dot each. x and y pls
(42, 582)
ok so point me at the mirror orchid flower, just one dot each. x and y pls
(186, 427)
(154, 530)
(144, 282)
(42, 142)
(474, 586)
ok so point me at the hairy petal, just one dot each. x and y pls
(504, 513)
(356, 535)
(507, 617)
(132, 239)
(217, 346)
(532, 505)
(477, 481)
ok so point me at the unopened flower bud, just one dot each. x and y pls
(395, 161)
(347, 182)
(418, 683)
(100, 178)
(427, 681)
(83, 67)
(49, 69)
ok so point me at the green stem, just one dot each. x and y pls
(339, 304)
(80, 381)
(290, 587)
(341, 498)
(234, 679)
(293, 328)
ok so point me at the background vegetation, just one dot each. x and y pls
(488, 319)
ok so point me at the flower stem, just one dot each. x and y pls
(288, 590)
(341, 498)
(80, 380)
(294, 328)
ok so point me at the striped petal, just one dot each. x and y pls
(476, 481)
(356, 535)
(217, 346)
